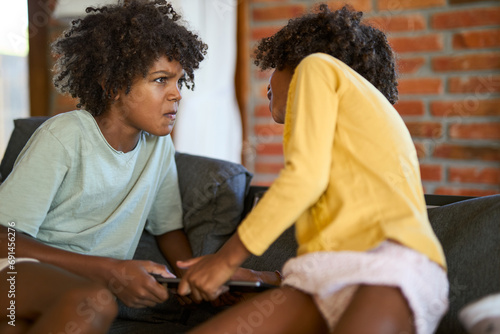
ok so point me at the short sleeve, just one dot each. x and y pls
(28, 192)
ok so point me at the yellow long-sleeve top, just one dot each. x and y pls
(351, 177)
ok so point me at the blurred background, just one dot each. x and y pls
(448, 58)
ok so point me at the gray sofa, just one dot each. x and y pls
(217, 195)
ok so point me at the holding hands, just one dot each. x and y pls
(131, 282)
(206, 275)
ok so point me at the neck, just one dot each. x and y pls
(116, 133)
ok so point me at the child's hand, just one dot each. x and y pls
(205, 278)
(131, 282)
(206, 275)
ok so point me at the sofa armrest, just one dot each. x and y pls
(439, 200)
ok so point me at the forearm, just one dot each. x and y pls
(234, 251)
(92, 267)
(175, 247)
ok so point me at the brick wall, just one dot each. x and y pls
(449, 62)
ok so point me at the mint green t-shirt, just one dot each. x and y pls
(71, 190)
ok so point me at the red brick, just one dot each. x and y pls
(462, 152)
(456, 2)
(471, 17)
(360, 5)
(410, 108)
(268, 130)
(421, 150)
(464, 191)
(476, 84)
(465, 108)
(262, 110)
(396, 5)
(486, 175)
(486, 131)
(425, 129)
(431, 172)
(482, 61)
(263, 32)
(397, 23)
(424, 43)
(410, 65)
(477, 39)
(277, 12)
(270, 149)
(420, 86)
(268, 168)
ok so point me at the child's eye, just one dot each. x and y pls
(161, 80)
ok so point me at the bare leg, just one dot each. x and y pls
(376, 310)
(282, 310)
(49, 299)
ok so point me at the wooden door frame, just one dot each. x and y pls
(39, 17)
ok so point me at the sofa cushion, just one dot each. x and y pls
(23, 129)
(280, 251)
(213, 195)
(469, 232)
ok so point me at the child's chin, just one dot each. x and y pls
(164, 132)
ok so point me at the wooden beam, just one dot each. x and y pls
(39, 14)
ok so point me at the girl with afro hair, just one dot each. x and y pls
(368, 260)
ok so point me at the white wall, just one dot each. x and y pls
(209, 122)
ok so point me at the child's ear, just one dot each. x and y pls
(110, 94)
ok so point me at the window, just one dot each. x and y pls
(14, 91)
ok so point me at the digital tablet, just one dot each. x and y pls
(236, 286)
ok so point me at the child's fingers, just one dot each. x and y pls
(156, 268)
(184, 289)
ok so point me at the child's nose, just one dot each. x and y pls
(176, 94)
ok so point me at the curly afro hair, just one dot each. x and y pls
(113, 45)
(340, 34)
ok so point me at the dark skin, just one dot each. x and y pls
(57, 301)
(373, 309)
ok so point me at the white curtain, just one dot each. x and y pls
(209, 122)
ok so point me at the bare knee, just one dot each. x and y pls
(376, 310)
(91, 306)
